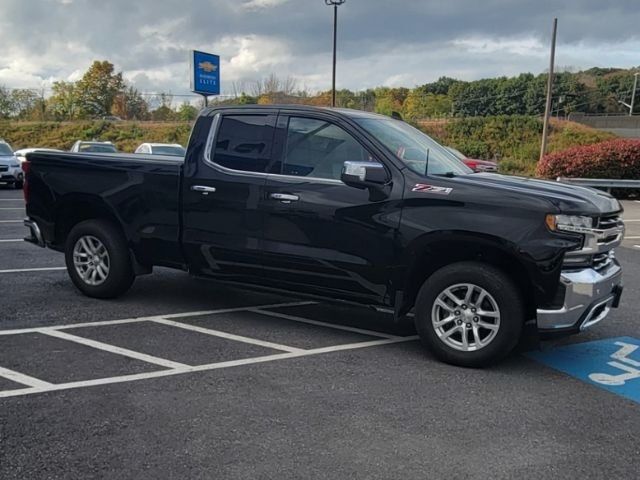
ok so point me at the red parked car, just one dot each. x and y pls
(475, 164)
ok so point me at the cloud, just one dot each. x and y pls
(260, 4)
(406, 42)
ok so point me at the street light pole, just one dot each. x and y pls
(547, 108)
(633, 94)
(335, 4)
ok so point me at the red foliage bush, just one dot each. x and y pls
(618, 158)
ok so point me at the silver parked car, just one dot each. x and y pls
(10, 168)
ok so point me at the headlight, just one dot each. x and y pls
(570, 223)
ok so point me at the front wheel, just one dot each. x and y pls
(469, 314)
(98, 259)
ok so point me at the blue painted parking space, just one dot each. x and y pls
(612, 364)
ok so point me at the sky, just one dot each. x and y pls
(380, 42)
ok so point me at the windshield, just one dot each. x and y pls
(459, 155)
(417, 150)
(168, 150)
(5, 150)
(97, 147)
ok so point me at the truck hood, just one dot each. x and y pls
(566, 198)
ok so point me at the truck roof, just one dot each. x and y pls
(348, 112)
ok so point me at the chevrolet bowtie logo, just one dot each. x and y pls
(207, 67)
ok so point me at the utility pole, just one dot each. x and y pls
(547, 108)
(633, 94)
(335, 4)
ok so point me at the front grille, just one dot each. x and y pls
(611, 221)
(602, 260)
(610, 226)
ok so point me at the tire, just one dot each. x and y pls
(102, 243)
(18, 185)
(492, 318)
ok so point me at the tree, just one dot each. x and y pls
(163, 114)
(64, 104)
(418, 105)
(130, 105)
(439, 87)
(187, 112)
(6, 102)
(24, 102)
(389, 100)
(98, 88)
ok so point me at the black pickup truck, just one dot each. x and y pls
(343, 205)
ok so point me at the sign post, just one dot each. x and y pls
(205, 74)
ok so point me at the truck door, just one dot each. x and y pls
(222, 190)
(322, 236)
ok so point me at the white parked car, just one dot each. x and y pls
(93, 146)
(174, 149)
(10, 168)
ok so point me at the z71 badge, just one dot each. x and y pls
(421, 187)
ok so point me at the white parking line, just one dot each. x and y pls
(11, 208)
(23, 379)
(201, 368)
(113, 349)
(630, 220)
(67, 326)
(11, 240)
(21, 270)
(11, 221)
(322, 324)
(228, 336)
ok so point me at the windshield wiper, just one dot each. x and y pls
(446, 174)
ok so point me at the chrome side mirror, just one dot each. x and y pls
(364, 174)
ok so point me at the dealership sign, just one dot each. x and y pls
(205, 73)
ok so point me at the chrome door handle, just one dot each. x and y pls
(202, 189)
(284, 197)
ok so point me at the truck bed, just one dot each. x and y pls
(141, 191)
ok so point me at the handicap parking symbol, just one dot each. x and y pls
(612, 364)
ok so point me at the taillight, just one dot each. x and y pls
(26, 168)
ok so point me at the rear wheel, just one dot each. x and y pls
(98, 259)
(469, 314)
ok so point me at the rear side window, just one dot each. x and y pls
(316, 148)
(242, 143)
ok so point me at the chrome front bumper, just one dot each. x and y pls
(589, 296)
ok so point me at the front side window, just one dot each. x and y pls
(242, 143)
(315, 148)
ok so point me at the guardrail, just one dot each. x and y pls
(606, 183)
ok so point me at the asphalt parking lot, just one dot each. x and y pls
(185, 379)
